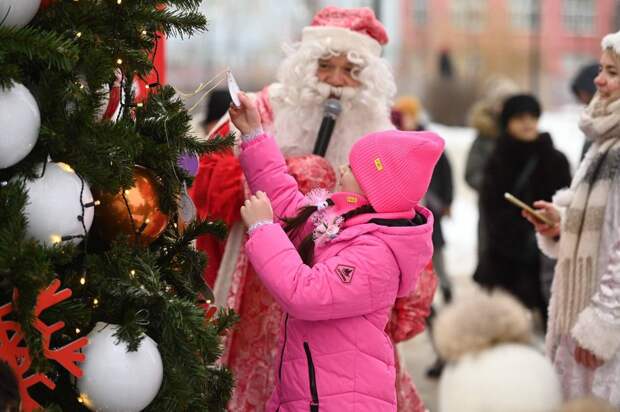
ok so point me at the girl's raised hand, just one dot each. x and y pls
(257, 209)
(246, 118)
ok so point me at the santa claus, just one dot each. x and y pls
(339, 56)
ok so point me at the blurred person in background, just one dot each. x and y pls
(339, 56)
(484, 119)
(408, 114)
(526, 164)
(583, 335)
(583, 89)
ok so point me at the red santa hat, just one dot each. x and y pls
(347, 30)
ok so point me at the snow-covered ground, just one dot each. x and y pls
(460, 228)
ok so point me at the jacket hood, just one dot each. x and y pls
(484, 120)
(411, 246)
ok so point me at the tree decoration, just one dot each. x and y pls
(134, 212)
(19, 124)
(17, 13)
(116, 379)
(60, 205)
(13, 351)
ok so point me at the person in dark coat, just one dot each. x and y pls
(439, 200)
(526, 164)
(407, 114)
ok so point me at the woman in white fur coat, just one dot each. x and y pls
(583, 337)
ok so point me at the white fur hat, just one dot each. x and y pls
(492, 365)
(506, 378)
(611, 41)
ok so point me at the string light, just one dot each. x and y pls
(144, 32)
(140, 104)
(77, 330)
(132, 273)
(82, 281)
(119, 1)
(119, 61)
(95, 302)
(65, 166)
(78, 34)
(208, 301)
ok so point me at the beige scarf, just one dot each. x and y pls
(576, 274)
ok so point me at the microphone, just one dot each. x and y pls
(332, 109)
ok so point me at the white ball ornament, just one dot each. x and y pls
(18, 12)
(53, 209)
(116, 380)
(20, 121)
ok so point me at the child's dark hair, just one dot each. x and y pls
(294, 224)
(9, 389)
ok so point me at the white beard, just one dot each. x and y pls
(298, 112)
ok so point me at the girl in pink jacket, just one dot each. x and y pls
(337, 262)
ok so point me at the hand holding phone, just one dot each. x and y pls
(519, 203)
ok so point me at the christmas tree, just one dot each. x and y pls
(96, 225)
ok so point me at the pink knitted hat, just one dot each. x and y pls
(346, 30)
(394, 167)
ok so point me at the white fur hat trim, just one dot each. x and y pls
(611, 41)
(341, 39)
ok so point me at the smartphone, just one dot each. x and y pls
(233, 89)
(519, 203)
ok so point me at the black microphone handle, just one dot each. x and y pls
(324, 136)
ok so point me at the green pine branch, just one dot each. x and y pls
(31, 43)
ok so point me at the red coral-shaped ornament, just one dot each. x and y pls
(16, 354)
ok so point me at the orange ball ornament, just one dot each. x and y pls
(134, 212)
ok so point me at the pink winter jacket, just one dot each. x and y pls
(334, 352)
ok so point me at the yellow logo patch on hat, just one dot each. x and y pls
(378, 164)
(351, 199)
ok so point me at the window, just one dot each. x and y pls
(420, 13)
(579, 16)
(469, 15)
(525, 14)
